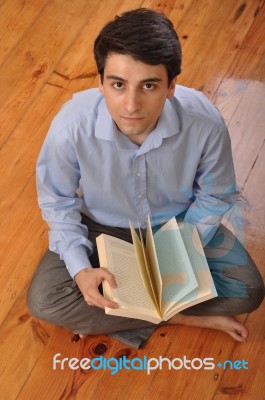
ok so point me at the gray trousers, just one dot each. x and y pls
(54, 297)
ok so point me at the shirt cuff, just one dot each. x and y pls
(76, 259)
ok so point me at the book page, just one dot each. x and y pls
(206, 289)
(153, 262)
(138, 313)
(143, 265)
(119, 258)
(198, 260)
(175, 267)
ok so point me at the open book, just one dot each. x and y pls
(160, 278)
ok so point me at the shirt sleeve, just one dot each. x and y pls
(214, 190)
(58, 177)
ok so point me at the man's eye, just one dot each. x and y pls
(118, 85)
(149, 86)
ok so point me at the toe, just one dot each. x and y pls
(237, 336)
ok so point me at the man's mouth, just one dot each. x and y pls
(131, 118)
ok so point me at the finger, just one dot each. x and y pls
(109, 277)
(89, 303)
(111, 304)
(96, 299)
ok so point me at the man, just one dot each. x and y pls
(138, 145)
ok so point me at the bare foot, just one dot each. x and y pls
(81, 335)
(226, 324)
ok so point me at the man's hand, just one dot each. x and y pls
(88, 281)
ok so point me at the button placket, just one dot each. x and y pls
(139, 171)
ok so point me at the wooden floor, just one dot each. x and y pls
(45, 56)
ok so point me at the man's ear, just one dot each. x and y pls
(171, 88)
(100, 85)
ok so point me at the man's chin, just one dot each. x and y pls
(130, 131)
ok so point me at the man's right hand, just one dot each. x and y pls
(88, 281)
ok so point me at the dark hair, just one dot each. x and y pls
(145, 35)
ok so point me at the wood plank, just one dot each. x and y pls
(164, 6)
(24, 144)
(189, 384)
(29, 243)
(167, 342)
(19, 202)
(108, 383)
(249, 62)
(20, 333)
(246, 384)
(245, 120)
(66, 383)
(35, 57)
(16, 18)
(254, 191)
(205, 42)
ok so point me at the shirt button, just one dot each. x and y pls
(138, 174)
(140, 196)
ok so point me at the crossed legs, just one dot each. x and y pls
(54, 297)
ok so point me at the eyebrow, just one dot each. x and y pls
(118, 78)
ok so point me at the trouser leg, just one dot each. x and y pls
(237, 280)
(54, 297)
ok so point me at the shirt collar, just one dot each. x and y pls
(104, 127)
(168, 124)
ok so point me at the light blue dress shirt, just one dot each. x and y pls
(86, 164)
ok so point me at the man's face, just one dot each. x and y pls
(135, 94)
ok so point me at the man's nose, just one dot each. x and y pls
(132, 101)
